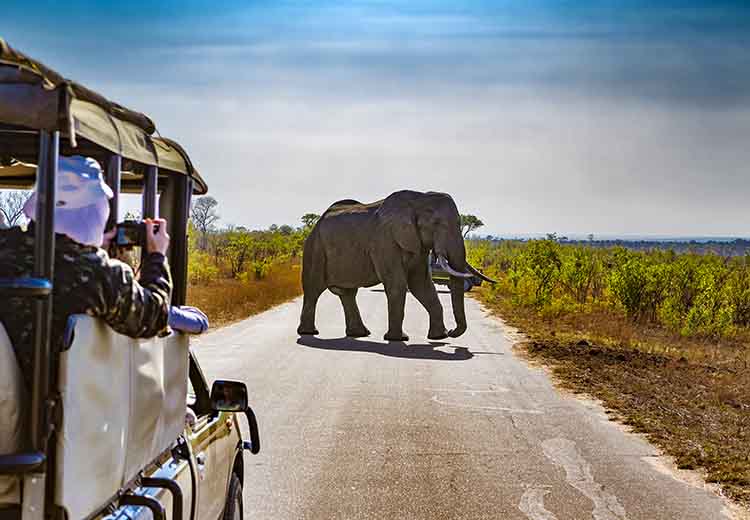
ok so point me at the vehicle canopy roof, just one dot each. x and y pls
(35, 97)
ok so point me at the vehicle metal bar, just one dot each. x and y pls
(157, 510)
(8, 129)
(252, 423)
(179, 243)
(114, 180)
(173, 487)
(34, 487)
(44, 255)
(21, 463)
(150, 189)
(25, 287)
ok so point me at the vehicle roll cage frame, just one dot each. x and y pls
(34, 466)
(39, 287)
(44, 115)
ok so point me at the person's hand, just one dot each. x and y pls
(108, 237)
(157, 242)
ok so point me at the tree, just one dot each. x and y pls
(11, 207)
(204, 216)
(310, 219)
(239, 249)
(286, 229)
(470, 223)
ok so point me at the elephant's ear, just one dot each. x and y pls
(397, 219)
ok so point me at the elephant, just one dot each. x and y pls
(357, 245)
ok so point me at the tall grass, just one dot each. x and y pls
(225, 300)
(635, 296)
(234, 273)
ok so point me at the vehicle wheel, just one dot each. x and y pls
(467, 285)
(233, 509)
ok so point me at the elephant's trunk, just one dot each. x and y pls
(457, 301)
(457, 268)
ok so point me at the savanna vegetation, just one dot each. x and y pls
(662, 338)
(235, 272)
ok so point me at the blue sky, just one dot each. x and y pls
(539, 116)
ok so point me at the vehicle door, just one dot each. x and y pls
(213, 457)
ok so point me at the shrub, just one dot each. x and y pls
(201, 269)
(536, 270)
(693, 294)
(638, 284)
(580, 268)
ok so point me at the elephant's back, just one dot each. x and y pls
(345, 202)
(351, 206)
(342, 206)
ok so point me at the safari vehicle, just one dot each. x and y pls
(440, 276)
(105, 434)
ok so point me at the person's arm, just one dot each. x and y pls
(138, 309)
(188, 319)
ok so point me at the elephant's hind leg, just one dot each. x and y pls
(313, 284)
(355, 327)
(307, 319)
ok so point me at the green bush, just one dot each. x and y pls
(580, 274)
(737, 292)
(536, 270)
(692, 294)
(201, 269)
(638, 283)
(242, 254)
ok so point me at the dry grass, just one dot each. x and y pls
(225, 301)
(691, 397)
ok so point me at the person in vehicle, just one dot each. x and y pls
(86, 279)
(184, 318)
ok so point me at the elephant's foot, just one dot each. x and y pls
(457, 332)
(395, 336)
(437, 334)
(304, 330)
(357, 332)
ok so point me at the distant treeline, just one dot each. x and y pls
(727, 248)
(238, 253)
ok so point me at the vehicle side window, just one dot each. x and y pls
(199, 398)
(191, 397)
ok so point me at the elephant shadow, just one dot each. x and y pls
(398, 349)
(439, 291)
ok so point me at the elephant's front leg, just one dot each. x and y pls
(395, 291)
(421, 286)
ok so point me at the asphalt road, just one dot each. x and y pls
(460, 429)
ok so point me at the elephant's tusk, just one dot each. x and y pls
(445, 266)
(479, 273)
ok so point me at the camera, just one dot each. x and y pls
(132, 233)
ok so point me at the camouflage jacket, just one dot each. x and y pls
(86, 281)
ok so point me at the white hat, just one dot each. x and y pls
(82, 200)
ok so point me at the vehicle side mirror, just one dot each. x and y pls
(229, 396)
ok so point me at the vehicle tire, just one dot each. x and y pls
(233, 508)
